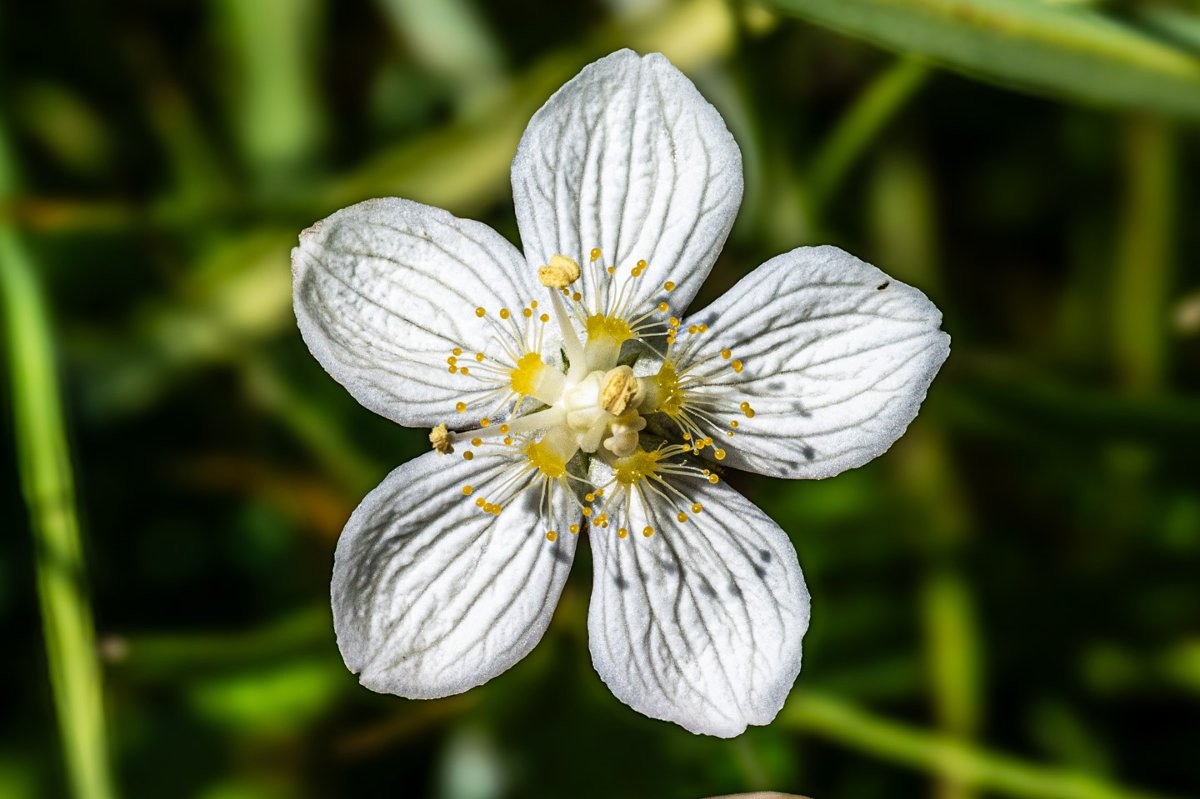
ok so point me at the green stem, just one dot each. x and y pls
(870, 113)
(1141, 282)
(836, 721)
(44, 464)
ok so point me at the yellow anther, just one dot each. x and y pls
(480, 312)
(619, 391)
(464, 370)
(457, 350)
(545, 318)
(622, 533)
(559, 273)
(484, 422)
(452, 369)
(577, 296)
(719, 454)
(527, 313)
(551, 535)
(468, 455)
(452, 360)
(587, 511)
(746, 409)
(712, 478)
(697, 507)
(611, 270)
(642, 264)
(692, 329)
(727, 354)
(441, 439)
(669, 285)
(477, 442)
(480, 502)
(673, 321)
(479, 357)
(533, 304)
(648, 531)
(682, 517)
(737, 366)
(703, 328)
(503, 428)
(508, 441)
(574, 528)
(589, 497)
(461, 407)
(505, 313)
(467, 491)
(734, 424)
(594, 255)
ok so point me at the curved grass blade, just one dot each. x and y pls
(1065, 51)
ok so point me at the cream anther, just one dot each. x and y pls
(620, 391)
(624, 439)
(442, 439)
(559, 273)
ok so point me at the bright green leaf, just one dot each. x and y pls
(1062, 50)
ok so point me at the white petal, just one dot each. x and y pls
(836, 357)
(386, 289)
(700, 624)
(431, 596)
(630, 158)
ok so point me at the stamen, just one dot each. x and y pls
(442, 439)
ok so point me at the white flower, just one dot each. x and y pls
(568, 393)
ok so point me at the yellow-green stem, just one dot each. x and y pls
(44, 464)
(941, 755)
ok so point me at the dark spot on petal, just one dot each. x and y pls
(883, 285)
(621, 583)
(809, 453)
(765, 555)
(760, 571)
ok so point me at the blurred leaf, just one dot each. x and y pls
(272, 700)
(175, 657)
(1054, 49)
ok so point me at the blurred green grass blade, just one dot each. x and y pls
(860, 126)
(1142, 277)
(1066, 51)
(44, 465)
(273, 41)
(832, 719)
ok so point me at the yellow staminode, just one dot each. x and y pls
(546, 460)
(524, 379)
(634, 468)
(613, 328)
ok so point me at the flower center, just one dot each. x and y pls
(561, 412)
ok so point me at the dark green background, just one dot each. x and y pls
(1015, 585)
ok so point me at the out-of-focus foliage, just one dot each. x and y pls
(1007, 603)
